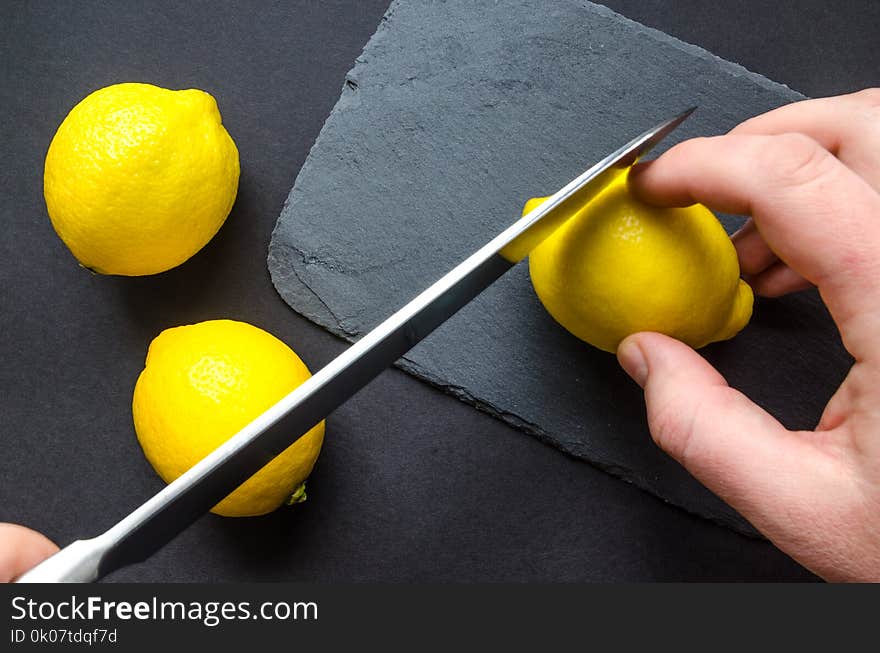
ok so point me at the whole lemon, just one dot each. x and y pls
(201, 384)
(621, 266)
(139, 178)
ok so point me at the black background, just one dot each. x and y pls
(412, 484)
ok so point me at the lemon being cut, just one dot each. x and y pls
(139, 178)
(621, 266)
(201, 384)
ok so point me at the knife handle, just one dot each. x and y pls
(78, 562)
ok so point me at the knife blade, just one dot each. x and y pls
(180, 503)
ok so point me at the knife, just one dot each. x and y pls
(149, 527)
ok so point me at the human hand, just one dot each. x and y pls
(808, 174)
(21, 549)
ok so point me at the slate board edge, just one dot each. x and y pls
(286, 259)
(597, 461)
(732, 67)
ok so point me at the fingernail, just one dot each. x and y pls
(632, 360)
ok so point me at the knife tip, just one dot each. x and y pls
(685, 114)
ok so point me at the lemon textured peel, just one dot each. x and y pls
(200, 385)
(621, 266)
(139, 178)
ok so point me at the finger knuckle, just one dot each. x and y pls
(691, 147)
(795, 159)
(872, 114)
(870, 97)
(672, 430)
(746, 126)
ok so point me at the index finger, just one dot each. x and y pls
(848, 126)
(817, 215)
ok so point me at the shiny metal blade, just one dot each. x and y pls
(543, 220)
(171, 510)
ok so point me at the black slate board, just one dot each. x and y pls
(454, 115)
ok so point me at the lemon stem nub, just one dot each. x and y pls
(298, 496)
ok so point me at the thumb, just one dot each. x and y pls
(727, 442)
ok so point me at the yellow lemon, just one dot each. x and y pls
(139, 178)
(201, 384)
(621, 266)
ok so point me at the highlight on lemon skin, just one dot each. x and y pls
(139, 178)
(621, 266)
(201, 384)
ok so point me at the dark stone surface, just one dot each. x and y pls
(412, 484)
(453, 116)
